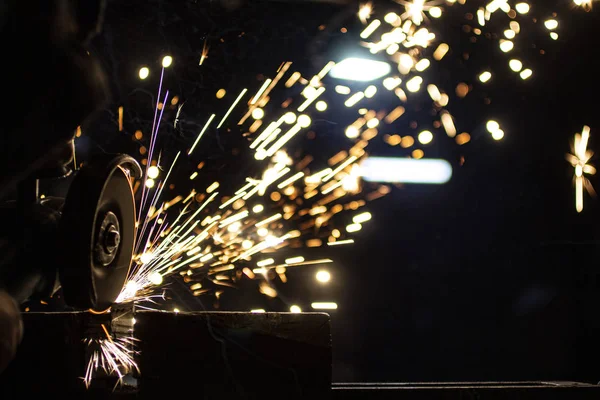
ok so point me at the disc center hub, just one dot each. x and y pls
(108, 239)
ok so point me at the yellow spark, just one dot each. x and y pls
(144, 72)
(201, 133)
(485, 76)
(323, 276)
(232, 107)
(167, 61)
(204, 54)
(341, 242)
(121, 119)
(522, 8)
(579, 160)
(260, 92)
(324, 306)
(585, 4)
(364, 12)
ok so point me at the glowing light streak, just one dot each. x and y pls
(232, 107)
(204, 128)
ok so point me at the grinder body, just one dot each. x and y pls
(82, 243)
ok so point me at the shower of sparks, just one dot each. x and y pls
(214, 237)
(115, 357)
(409, 38)
(579, 160)
(213, 240)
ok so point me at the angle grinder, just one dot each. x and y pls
(82, 243)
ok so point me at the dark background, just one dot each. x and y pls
(492, 276)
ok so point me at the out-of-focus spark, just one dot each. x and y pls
(579, 160)
(144, 72)
(341, 242)
(585, 4)
(324, 306)
(120, 118)
(323, 276)
(364, 12)
(167, 61)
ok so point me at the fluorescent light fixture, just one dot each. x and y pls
(405, 170)
(360, 69)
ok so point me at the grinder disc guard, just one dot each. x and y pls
(97, 233)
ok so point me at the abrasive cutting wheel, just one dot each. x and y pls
(97, 232)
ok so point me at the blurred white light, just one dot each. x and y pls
(352, 132)
(234, 227)
(289, 117)
(153, 172)
(304, 121)
(155, 278)
(390, 18)
(515, 65)
(370, 91)
(167, 61)
(150, 183)
(353, 228)
(526, 73)
(492, 126)
(498, 134)
(425, 137)
(323, 276)
(146, 258)
(435, 12)
(360, 69)
(258, 311)
(362, 218)
(321, 106)
(324, 306)
(506, 45)
(485, 76)
(405, 170)
(144, 72)
(295, 309)
(258, 113)
(522, 8)
(372, 123)
(551, 24)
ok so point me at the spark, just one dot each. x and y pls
(364, 12)
(204, 54)
(585, 4)
(232, 107)
(201, 134)
(260, 92)
(114, 356)
(579, 158)
(213, 238)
